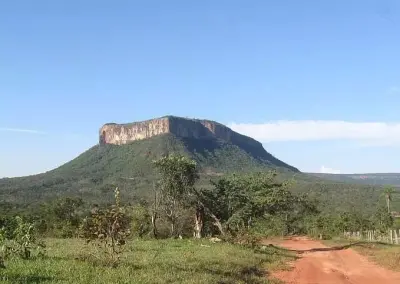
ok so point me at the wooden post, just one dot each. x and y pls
(391, 236)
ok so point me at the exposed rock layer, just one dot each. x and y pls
(118, 134)
(192, 129)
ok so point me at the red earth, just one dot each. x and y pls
(322, 265)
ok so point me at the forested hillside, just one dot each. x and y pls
(92, 175)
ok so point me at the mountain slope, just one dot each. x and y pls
(94, 174)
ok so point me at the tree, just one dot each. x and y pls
(235, 201)
(178, 176)
(155, 209)
(66, 210)
(388, 192)
(382, 220)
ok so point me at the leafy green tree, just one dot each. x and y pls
(382, 219)
(178, 176)
(66, 209)
(234, 202)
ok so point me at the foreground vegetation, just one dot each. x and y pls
(164, 239)
(147, 261)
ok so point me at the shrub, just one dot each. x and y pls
(108, 229)
(20, 242)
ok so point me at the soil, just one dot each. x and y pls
(319, 264)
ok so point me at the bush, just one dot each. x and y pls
(141, 220)
(108, 229)
(19, 241)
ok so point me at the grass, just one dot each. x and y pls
(385, 255)
(148, 261)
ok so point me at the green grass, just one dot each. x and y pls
(148, 261)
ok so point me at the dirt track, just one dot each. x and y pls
(332, 266)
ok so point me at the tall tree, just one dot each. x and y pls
(178, 176)
(388, 192)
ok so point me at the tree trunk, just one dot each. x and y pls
(388, 203)
(173, 228)
(249, 221)
(154, 213)
(198, 219)
(153, 224)
(218, 224)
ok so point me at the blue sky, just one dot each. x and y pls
(318, 82)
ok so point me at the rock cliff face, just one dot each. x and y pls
(118, 134)
(194, 130)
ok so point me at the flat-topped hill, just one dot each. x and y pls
(199, 135)
(124, 158)
(113, 133)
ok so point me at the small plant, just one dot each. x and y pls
(21, 242)
(108, 229)
(24, 239)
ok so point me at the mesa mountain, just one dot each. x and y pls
(124, 155)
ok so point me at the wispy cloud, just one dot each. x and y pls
(394, 90)
(21, 130)
(326, 170)
(367, 133)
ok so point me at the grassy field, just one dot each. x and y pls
(148, 261)
(386, 255)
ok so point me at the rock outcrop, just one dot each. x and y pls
(188, 129)
(112, 133)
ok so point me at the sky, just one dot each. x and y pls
(317, 82)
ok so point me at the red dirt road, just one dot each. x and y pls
(332, 266)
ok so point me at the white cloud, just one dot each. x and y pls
(367, 133)
(326, 170)
(31, 131)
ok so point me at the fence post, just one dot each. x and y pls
(396, 237)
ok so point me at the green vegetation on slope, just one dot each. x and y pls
(93, 173)
(148, 261)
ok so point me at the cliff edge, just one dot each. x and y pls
(112, 133)
(119, 134)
